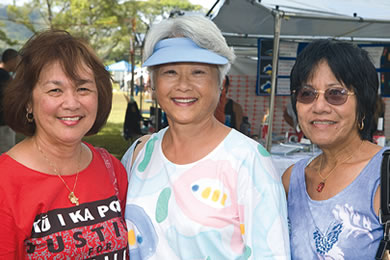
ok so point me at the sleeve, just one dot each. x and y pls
(11, 239)
(263, 208)
(127, 157)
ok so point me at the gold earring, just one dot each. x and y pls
(30, 117)
(361, 124)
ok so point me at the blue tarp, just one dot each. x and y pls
(120, 66)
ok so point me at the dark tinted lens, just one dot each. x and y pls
(306, 95)
(336, 96)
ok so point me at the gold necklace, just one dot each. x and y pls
(72, 197)
(321, 185)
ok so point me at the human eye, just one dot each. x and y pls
(337, 91)
(83, 90)
(168, 72)
(307, 91)
(198, 71)
(85, 87)
(54, 92)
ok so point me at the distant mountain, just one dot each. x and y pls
(14, 31)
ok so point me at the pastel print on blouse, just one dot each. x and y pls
(333, 199)
(58, 199)
(199, 189)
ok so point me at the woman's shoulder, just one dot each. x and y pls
(138, 145)
(20, 156)
(6, 162)
(374, 153)
(240, 139)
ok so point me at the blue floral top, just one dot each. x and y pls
(342, 227)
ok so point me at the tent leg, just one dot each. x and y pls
(275, 56)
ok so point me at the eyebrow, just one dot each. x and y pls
(59, 82)
(328, 85)
(83, 81)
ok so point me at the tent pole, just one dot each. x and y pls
(275, 56)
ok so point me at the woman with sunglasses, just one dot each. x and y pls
(333, 199)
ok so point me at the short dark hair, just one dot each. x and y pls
(45, 48)
(9, 54)
(227, 83)
(350, 65)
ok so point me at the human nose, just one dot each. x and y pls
(183, 83)
(320, 104)
(71, 100)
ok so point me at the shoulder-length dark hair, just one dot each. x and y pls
(352, 66)
(46, 48)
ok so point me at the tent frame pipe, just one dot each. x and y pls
(333, 18)
(320, 16)
(275, 56)
(304, 38)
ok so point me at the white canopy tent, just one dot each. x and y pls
(244, 21)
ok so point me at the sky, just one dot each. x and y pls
(206, 3)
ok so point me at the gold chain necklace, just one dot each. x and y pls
(321, 185)
(72, 197)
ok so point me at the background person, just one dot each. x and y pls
(57, 197)
(133, 118)
(199, 189)
(227, 107)
(9, 61)
(333, 199)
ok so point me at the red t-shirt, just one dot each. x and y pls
(37, 220)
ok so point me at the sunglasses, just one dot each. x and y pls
(334, 96)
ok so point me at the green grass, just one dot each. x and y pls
(110, 136)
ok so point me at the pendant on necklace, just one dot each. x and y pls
(73, 199)
(320, 186)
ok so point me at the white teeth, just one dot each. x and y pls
(185, 100)
(323, 122)
(70, 118)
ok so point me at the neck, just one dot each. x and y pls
(192, 132)
(339, 153)
(64, 160)
(187, 144)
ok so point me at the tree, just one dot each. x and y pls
(109, 25)
(6, 39)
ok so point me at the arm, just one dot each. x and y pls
(286, 179)
(265, 210)
(239, 114)
(376, 204)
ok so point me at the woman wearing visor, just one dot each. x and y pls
(198, 189)
(333, 199)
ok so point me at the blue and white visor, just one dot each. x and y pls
(182, 50)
